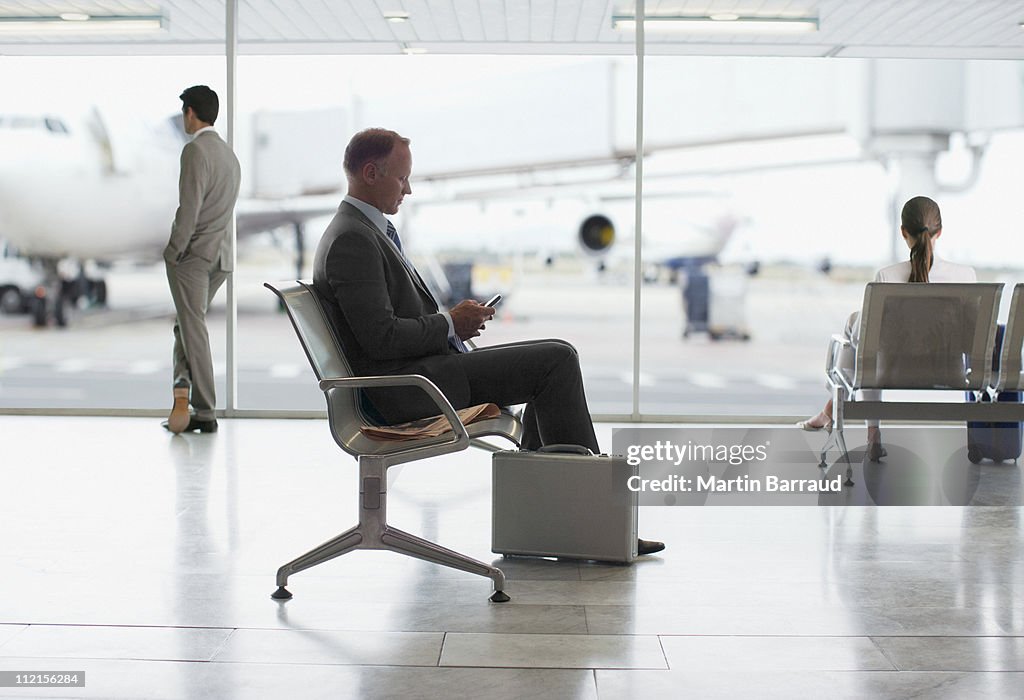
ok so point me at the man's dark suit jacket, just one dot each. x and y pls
(386, 319)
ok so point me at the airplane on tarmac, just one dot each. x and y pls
(682, 229)
(82, 191)
(76, 193)
(74, 189)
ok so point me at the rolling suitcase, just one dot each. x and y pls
(563, 501)
(995, 441)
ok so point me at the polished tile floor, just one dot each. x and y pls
(147, 561)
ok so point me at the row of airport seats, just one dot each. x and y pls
(933, 338)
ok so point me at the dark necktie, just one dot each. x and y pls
(392, 233)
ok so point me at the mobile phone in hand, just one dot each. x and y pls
(493, 301)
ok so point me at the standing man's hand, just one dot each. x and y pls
(469, 317)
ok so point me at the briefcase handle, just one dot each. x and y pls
(567, 449)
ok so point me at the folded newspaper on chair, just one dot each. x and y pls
(431, 426)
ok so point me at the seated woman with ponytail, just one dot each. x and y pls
(921, 227)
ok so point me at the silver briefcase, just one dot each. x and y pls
(563, 501)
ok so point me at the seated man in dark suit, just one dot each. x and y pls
(389, 322)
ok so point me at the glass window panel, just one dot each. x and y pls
(511, 154)
(770, 199)
(88, 190)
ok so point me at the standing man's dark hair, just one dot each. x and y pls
(203, 102)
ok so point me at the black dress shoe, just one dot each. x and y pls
(648, 547)
(194, 424)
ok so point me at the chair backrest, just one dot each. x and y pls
(311, 325)
(1010, 369)
(305, 310)
(326, 356)
(927, 336)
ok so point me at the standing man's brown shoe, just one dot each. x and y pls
(179, 419)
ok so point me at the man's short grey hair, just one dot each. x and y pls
(370, 146)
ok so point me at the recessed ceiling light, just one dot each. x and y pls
(396, 16)
(718, 23)
(71, 23)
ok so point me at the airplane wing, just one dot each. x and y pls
(256, 215)
(624, 158)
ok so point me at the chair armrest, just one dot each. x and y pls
(417, 380)
(833, 372)
(835, 346)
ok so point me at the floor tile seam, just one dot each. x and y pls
(664, 654)
(220, 648)
(557, 668)
(228, 662)
(352, 630)
(885, 655)
(244, 662)
(838, 606)
(125, 626)
(439, 631)
(952, 672)
(773, 636)
(552, 634)
(17, 634)
(856, 608)
(947, 636)
(591, 669)
(802, 672)
(162, 659)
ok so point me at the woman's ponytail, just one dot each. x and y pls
(921, 256)
(921, 221)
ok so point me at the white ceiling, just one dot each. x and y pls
(858, 28)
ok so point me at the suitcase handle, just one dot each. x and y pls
(567, 449)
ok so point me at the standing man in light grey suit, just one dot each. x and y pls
(198, 256)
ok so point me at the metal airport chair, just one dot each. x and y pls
(345, 417)
(1011, 373)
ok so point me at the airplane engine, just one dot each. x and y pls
(596, 234)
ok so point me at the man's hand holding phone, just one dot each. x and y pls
(469, 316)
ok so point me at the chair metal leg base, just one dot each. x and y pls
(394, 540)
(402, 542)
(830, 442)
(373, 532)
(335, 547)
(844, 453)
